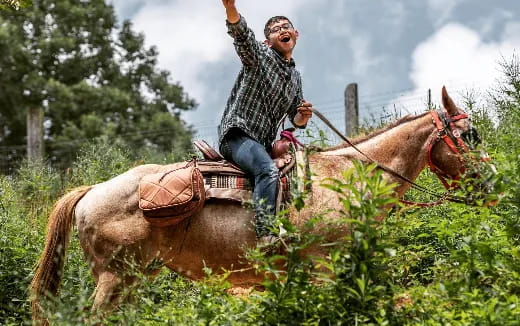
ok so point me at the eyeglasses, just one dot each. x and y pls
(285, 27)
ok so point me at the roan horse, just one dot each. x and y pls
(112, 230)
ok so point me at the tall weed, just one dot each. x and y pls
(20, 239)
(446, 265)
(98, 162)
(349, 284)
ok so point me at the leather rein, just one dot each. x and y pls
(446, 132)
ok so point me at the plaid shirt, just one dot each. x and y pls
(267, 87)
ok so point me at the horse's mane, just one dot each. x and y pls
(360, 139)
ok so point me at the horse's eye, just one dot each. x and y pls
(471, 137)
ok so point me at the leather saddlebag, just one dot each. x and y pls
(168, 198)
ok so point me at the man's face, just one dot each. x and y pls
(282, 37)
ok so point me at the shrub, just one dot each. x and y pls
(100, 161)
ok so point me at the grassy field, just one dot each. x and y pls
(447, 265)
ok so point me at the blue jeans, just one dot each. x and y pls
(252, 157)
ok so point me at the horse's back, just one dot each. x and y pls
(111, 224)
(109, 216)
(119, 194)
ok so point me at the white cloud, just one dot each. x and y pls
(192, 34)
(363, 58)
(192, 42)
(457, 57)
(187, 34)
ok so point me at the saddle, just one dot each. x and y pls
(168, 198)
(224, 180)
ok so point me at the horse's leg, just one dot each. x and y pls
(106, 294)
(111, 290)
(118, 249)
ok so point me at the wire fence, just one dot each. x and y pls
(375, 110)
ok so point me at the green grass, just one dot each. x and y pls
(446, 265)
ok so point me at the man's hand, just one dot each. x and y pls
(304, 113)
(228, 3)
(231, 11)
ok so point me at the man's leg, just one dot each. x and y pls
(253, 158)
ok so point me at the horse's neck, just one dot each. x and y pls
(402, 148)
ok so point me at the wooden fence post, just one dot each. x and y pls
(35, 115)
(430, 105)
(351, 110)
(35, 134)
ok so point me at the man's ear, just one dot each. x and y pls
(296, 33)
(268, 43)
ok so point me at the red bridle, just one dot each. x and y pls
(447, 132)
(452, 137)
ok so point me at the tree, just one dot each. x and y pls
(92, 78)
(14, 4)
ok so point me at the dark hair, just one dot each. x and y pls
(272, 20)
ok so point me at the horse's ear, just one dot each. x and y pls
(448, 103)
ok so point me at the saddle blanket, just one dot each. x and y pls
(220, 179)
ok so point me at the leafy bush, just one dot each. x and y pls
(350, 283)
(99, 162)
(37, 184)
(20, 239)
(450, 264)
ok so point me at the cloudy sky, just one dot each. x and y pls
(395, 50)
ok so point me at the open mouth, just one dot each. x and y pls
(285, 39)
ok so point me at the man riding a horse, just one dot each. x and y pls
(118, 239)
(267, 89)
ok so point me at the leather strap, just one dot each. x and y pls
(447, 196)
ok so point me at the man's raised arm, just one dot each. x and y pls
(231, 11)
(246, 46)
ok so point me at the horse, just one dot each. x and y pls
(113, 231)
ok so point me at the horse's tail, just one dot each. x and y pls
(47, 277)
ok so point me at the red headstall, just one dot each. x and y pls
(447, 131)
(452, 137)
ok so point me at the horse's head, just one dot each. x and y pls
(452, 149)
